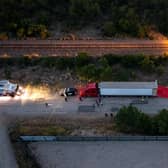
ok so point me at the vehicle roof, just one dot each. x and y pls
(3, 82)
(91, 85)
(129, 85)
(70, 89)
(6, 85)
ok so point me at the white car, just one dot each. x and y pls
(9, 89)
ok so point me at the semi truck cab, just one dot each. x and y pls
(91, 90)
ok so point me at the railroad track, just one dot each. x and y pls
(72, 48)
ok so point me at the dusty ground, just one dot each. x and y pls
(101, 154)
(58, 106)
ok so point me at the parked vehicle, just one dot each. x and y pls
(9, 89)
(69, 92)
(119, 89)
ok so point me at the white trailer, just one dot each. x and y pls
(128, 88)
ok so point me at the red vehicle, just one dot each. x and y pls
(91, 90)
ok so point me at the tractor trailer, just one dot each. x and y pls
(119, 89)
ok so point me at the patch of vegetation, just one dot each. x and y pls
(24, 157)
(131, 120)
(41, 130)
(28, 18)
(63, 126)
(50, 130)
(108, 67)
(161, 122)
(7, 72)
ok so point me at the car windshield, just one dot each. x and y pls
(1, 90)
(70, 89)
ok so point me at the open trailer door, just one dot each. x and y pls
(162, 91)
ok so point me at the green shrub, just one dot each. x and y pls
(82, 59)
(131, 120)
(132, 61)
(113, 59)
(88, 72)
(160, 70)
(109, 29)
(84, 9)
(106, 74)
(103, 62)
(63, 63)
(7, 72)
(147, 64)
(122, 75)
(21, 33)
(161, 121)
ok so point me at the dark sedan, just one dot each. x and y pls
(69, 92)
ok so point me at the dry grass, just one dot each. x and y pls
(64, 126)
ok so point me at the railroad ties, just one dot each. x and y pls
(72, 48)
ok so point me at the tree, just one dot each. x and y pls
(3, 36)
(131, 120)
(82, 59)
(106, 74)
(147, 64)
(162, 122)
(7, 72)
(88, 72)
(103, 62)
(84, 9)
(109, 29)
(21, 33)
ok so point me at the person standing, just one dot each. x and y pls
(65, 96)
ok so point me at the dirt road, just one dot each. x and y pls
(57, 105)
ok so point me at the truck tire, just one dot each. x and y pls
(12, 95)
